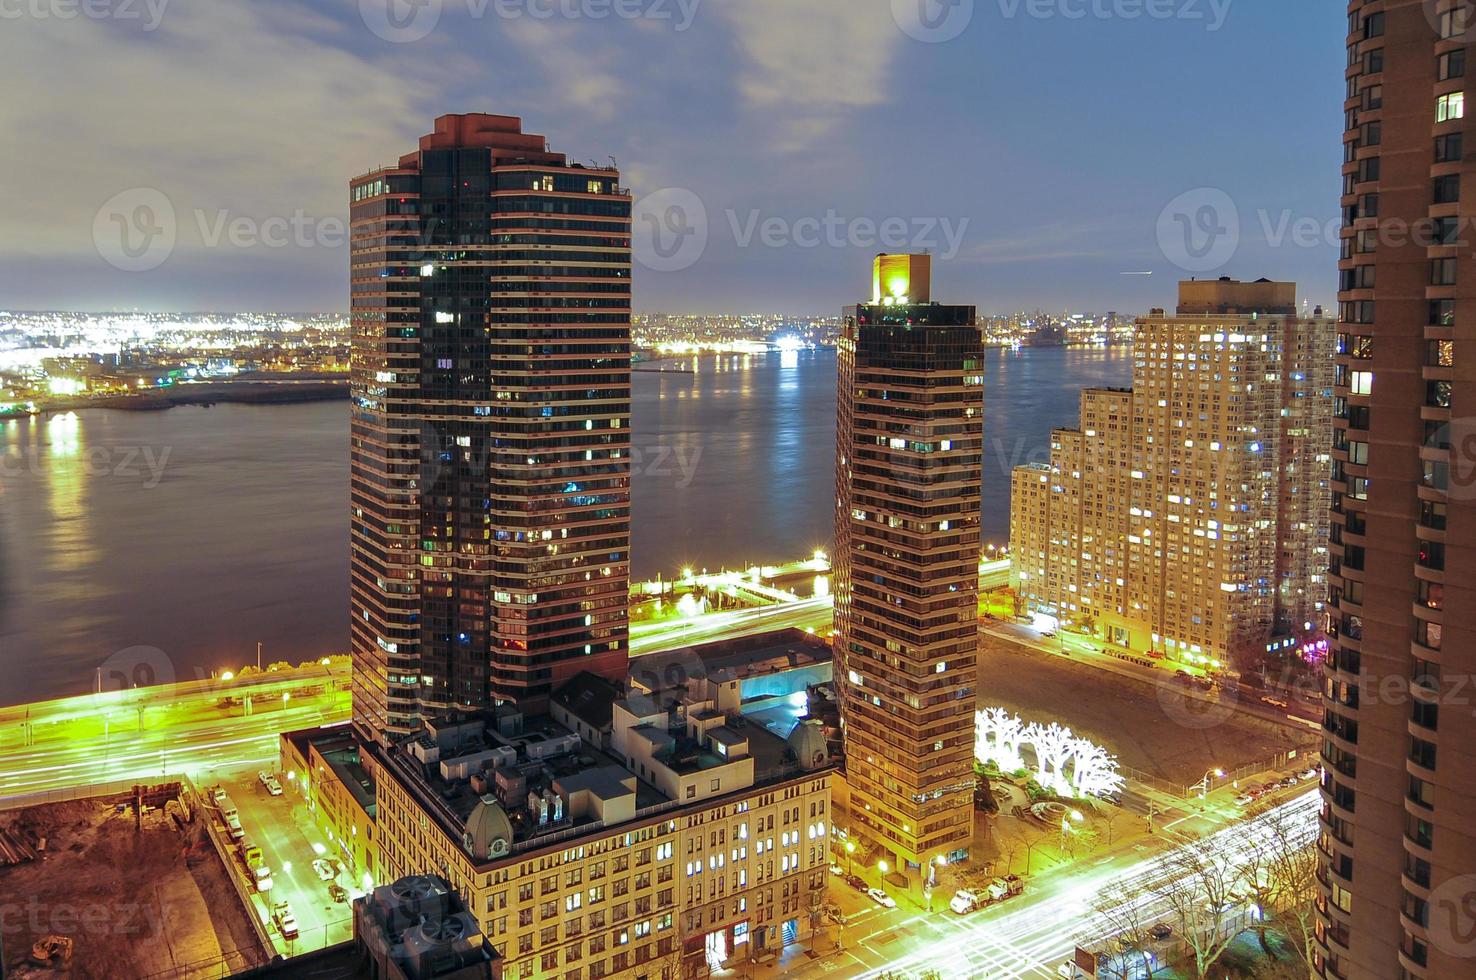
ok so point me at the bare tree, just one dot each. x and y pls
(1280, 876)
(1199, 892)
(1110, 816)
(1120, 913)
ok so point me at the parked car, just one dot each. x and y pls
(838, 871)
(325, 870)
(262, 876)
(1245, 799)
(338, 893)
(233, 827)
(1161, 931)
(270, 782)
(285, 920)
(856, 882)
(1311, 773)
(882, 898)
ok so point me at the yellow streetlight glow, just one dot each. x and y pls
(228, 675)
(882, 867)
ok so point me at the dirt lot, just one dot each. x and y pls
(1153, 729)
(153, 902)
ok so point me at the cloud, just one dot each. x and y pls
(219, 108)
(807, 65)
(1062, 240)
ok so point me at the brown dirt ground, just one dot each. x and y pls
(154, 902)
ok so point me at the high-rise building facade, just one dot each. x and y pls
(1188, 514)
(909, 446)
(1398, 837)
(490, 534)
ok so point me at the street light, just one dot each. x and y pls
(1204, 782)
(882, 867)
(850, 850)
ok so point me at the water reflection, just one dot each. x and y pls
(246, 536)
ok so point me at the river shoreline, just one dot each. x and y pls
(237, 392)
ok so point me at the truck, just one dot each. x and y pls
(256, 869)
(965, 901)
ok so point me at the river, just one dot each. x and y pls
(197, 532)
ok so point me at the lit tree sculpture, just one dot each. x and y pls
(1093, 771)
(1053, 749)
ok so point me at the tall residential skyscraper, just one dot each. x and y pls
(490, 537)
(1189, 513)
(909, 446)
(1398, 842)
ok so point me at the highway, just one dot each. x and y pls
(807, 614)
(143, 734)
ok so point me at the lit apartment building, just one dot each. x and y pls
(1187, 514)
(1398, 835)
(490, 308)
(654, 833)
(909, 466)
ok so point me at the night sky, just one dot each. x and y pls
(1037, 153)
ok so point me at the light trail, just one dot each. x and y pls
(1038, 935)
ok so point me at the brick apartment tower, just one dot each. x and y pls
(1398, 840)
(1188, 514)
(490, 300)
(909, 463)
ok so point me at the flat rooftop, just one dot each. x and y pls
(588, 767)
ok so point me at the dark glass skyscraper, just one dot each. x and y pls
(909, 462)
(490, 538)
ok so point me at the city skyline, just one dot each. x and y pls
(1203, 713)
(1024, 215)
